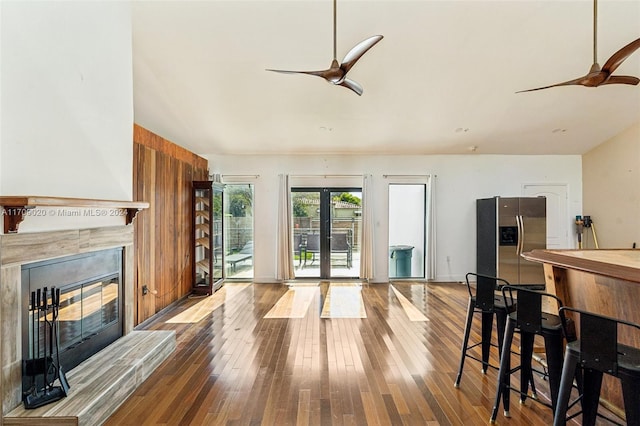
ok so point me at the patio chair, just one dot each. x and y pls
(298, 248)
(312, 246)
(340, 244)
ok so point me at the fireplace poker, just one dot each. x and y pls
(37, 309)
(35, 365)
(33, 309)
(47, 365)
(50, 367)
(62, 377)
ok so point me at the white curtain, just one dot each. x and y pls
(284, 252)
(430, 218)
(366, 247)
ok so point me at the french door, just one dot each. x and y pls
(326, 232)
(237, 209)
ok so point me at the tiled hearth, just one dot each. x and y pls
(18, 249)
(103, 382)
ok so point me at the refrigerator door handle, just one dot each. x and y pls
(520, 234)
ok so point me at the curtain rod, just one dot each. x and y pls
(241, 176)
(324, 176)
(405, 176)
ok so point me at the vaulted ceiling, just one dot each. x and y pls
(442, 81)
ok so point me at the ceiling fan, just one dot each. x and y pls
(598, 76)
(337, 72)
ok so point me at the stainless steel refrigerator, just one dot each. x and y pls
(506, 228)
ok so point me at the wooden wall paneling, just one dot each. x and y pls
(182, 210)
(176, 254)
(187, 174)
(163, 174)
(137, 192)
(161, 221)
(168, 249)
(157, 143)
(141, 229)
(158, 240)
(183, 240)
(148, 301)
(145, 233)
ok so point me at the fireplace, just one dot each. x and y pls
(91, 303)
(42, 233)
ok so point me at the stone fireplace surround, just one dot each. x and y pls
(19, 249)
(79, 235)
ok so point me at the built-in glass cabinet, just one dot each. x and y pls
(207, 242)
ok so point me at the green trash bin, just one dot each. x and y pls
(400, 261)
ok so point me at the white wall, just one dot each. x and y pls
(460, 181)
(612, 189)
(407, 222)
(66, 116)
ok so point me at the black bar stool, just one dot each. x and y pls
(597, 351)
(487, 302)
(528, 319)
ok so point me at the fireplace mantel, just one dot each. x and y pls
(14, 208)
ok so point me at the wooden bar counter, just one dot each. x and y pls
(606, 282)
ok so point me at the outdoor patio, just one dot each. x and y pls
(339, 269)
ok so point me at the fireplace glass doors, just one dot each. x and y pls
(90, 306)
(87, 310)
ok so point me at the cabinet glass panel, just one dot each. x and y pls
(207, 270)
(217, 231)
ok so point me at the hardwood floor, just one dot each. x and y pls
(371, 361)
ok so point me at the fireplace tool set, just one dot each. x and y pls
(42, 369)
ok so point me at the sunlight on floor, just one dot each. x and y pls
(412, 312)
(208, 304)
(344, 300)
(295, 302)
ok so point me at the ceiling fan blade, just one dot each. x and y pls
(350, 84)
(617, 58)
(316, 73)
(576, 82)
(356, 53)
(336, 74)
(622, 79)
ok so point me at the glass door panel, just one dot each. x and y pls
(306, 232)
(407, 220)
(238, 231)
(346, 218)
(217, 231)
